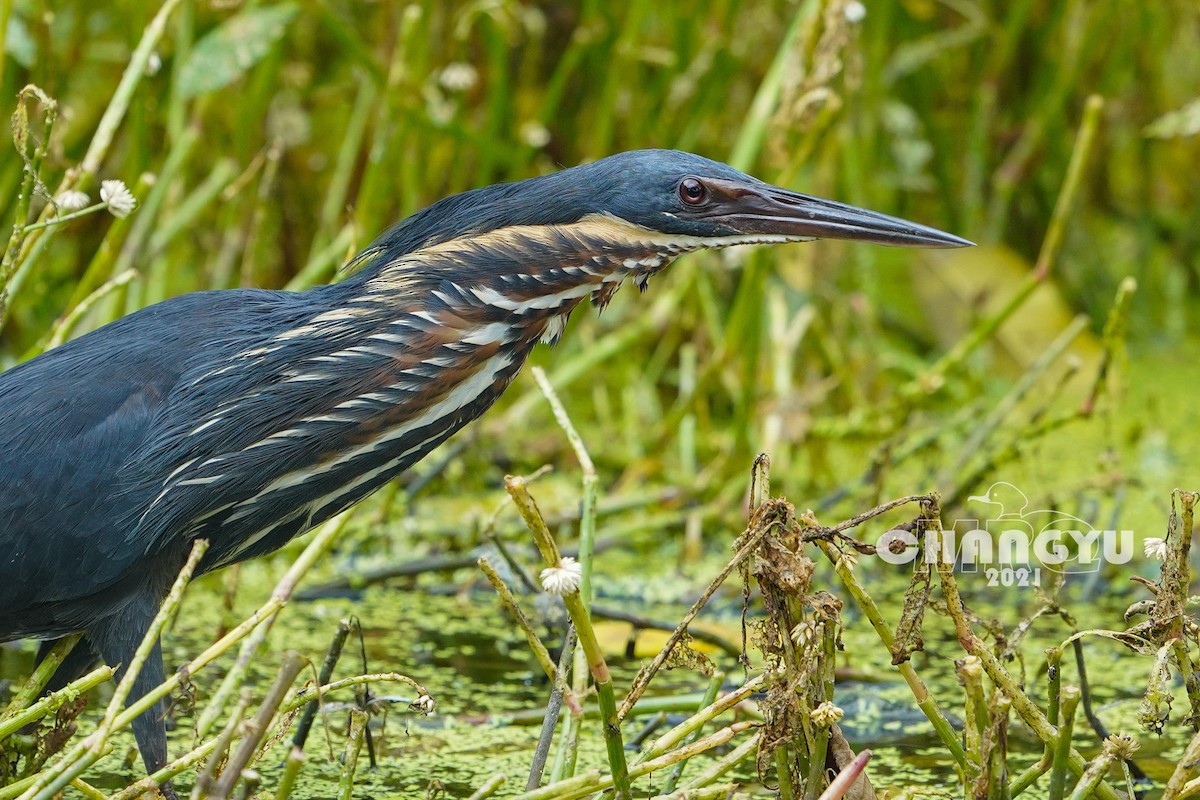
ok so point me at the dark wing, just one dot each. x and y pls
(282, 432)
(71, 422)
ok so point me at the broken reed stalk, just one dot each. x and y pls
(53, 780)
(992, 783)
(51, 702)
(722, 765)
(684, 730)
(1115, 748)
(710, 696)
(1053, 689)
(234, 677)
(206, 781)
(1062, 748)
(553, 708)
(354, 742)
(253, 731)
(540, 653)
(37, 681)
(609, 721)
(424, 704)
(489, 787)
(970, 675)
(291, 770)
(593, 781)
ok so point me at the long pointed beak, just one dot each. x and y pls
(766, 209)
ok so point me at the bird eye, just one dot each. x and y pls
(692, 191)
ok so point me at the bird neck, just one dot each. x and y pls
(526, 277)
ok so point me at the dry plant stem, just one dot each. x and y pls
(38, 680)
(1171, 601)
(642, 680)
(489, 787)
(519, 491)
(845, 779)
(587, 519)
(568, 744)
(253, 732)
(358, 727)
(29, 183)
(206, 781)
(722, 765)
(248, 788)
(82, 176)
(999, 676)
(879, 510)
(1187, 671)
(506, 596)
(1058, 770)
(992, 781)
(593, 781)
(970, 675)
(66, 769)
(925, 701)
(576, 608)
(1183, 782)
(710, 695)
(550, 722)
(51, 702)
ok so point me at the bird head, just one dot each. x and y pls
(709, 204)
(660, 199)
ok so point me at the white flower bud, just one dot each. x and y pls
(118, 197)
(563, 579)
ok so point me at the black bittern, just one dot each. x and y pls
(247, 417)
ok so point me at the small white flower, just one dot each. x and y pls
(458, 77)
(1156, 548)
(855, 11)
(72, 200)
(120, 200)
(563, 579)
(848, 560)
